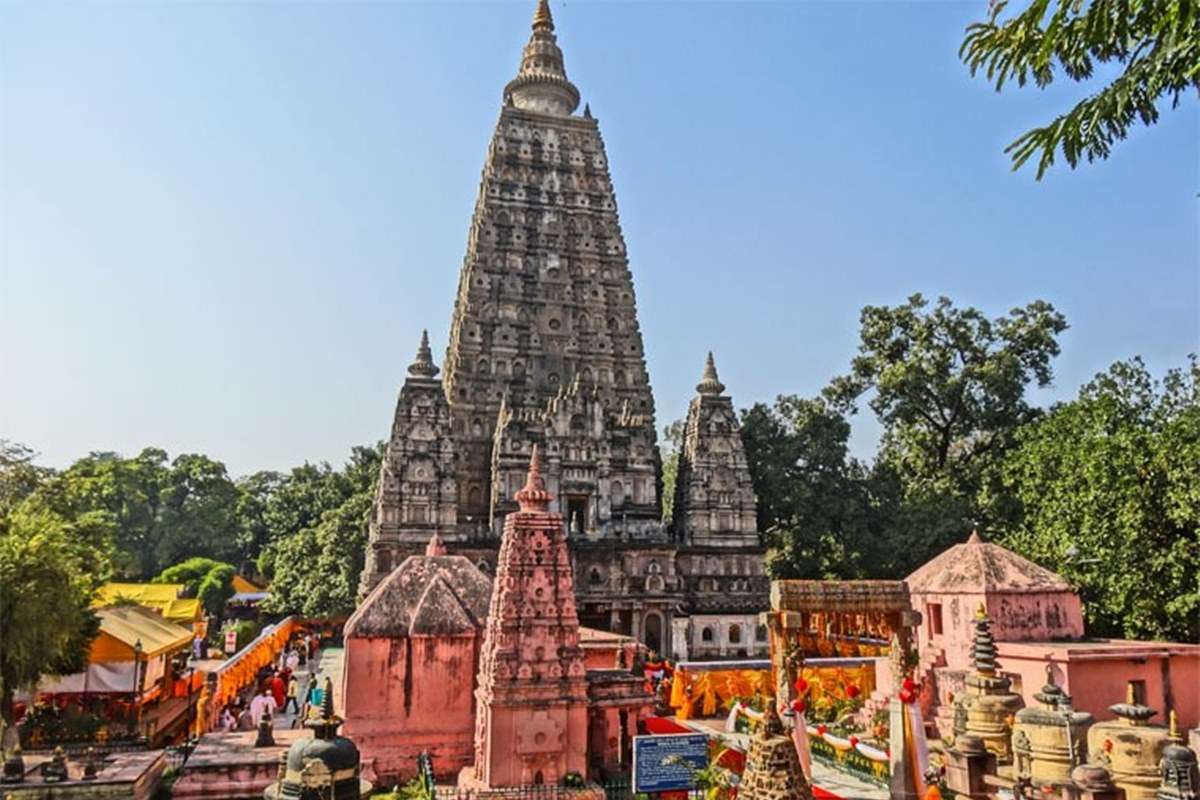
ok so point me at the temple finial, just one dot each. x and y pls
(542, 19)
(709, 382)
(423, 365)
(974, 538)
(541, 84)
(533, 496)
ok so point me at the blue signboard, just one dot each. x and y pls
(667, 763)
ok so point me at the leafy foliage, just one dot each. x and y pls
(672, 443)
(948, 385)
(1156, 41)
(54, 566)
(1109, 485)
(210, 581)
(162, 512)
(317, 568)
(815, 503)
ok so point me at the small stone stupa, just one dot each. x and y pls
(1050, 740)
(531, 724)
(772, 766)
(1130, 747)
(1180, 777)
(327, 765)
(989, 703)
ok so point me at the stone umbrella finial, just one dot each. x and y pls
(423, 366)
(541, 84)
(709, 382)
(974, 538)
(533, 496)
(542, 19)
(983, 649)
(436, 546)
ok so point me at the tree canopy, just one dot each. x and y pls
(1109, 488)
(208, 580)
(1156, 42)
(49, 570)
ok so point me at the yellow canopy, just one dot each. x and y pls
(162, 597)
(245, 585)
(122, 627)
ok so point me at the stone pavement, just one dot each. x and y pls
(328, 664)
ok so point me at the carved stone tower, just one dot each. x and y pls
(417, 495)
(546, 302)
(714, 496)
(531, 723)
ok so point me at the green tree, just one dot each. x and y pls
(162, 511)
(316, 569)
(19, 476)
(815, 505)
(948, 386)
(1156, 42)
(254, 528)
(197, 512)
(672, 443)
(210, 581)
(50, 569)
(1109, 486)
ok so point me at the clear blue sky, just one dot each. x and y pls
(224, 225)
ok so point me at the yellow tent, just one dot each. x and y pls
(245, 586)
(122, 627)
(162, 597)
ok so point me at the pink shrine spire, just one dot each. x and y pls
(533, 497)
(436, 546)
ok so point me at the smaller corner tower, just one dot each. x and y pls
(417, 492)
(715, 503)
(531, 724)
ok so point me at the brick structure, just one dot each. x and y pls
(772, 766)
(531, 726)
(545, 349)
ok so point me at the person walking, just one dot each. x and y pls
(293, 695)
(278, 689)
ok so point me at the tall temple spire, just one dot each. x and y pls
(541, 83)
(423, 366)
(709, 382)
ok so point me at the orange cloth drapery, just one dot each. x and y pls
(703, 692)
(242, 668)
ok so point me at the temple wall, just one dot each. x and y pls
(1031, 617)
(1096, 675)
(404, 695)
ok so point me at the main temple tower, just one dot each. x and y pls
(544, 343)
(545, 351)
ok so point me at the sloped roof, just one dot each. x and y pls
(162, 597)
(978, 567)
(131, 624)
(425, 596)
(243, 585)
(145, 594)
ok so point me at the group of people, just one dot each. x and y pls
(278, 689)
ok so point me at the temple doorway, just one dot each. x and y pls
(652, 636)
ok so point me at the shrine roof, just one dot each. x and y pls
(979, 567)
(839, 596)
(425, 596)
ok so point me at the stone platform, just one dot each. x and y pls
(130, 775)
(227, 766)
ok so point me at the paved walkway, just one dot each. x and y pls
(328, 663)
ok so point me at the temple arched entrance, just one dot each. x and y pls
(652, 634)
